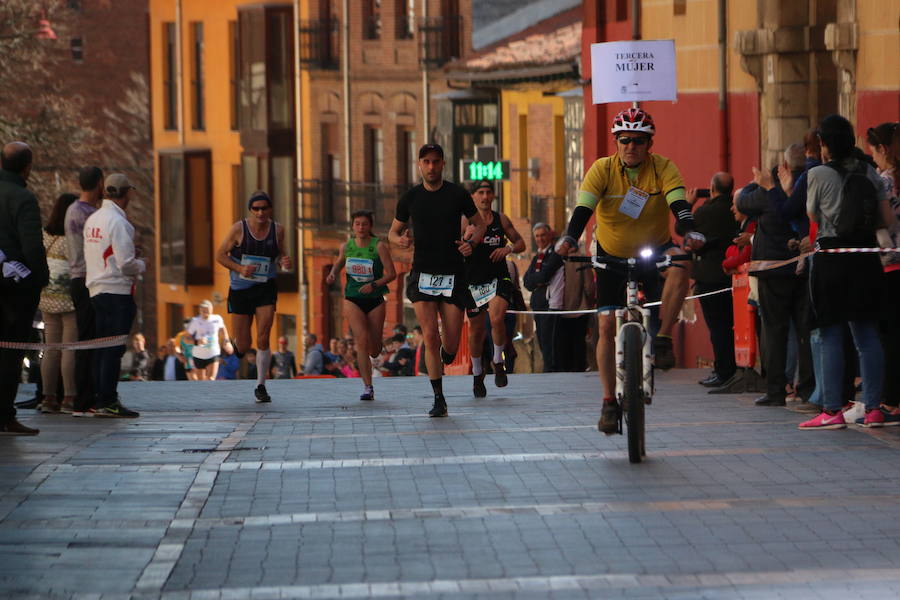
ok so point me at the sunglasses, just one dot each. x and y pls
(260, 207)
(637, 141)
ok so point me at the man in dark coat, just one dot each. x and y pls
(783, 294)
(25, 273)
(715, 220)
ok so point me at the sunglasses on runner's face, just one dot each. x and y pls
(637, 141)
(259, 207)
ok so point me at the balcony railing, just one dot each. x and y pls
(372, 27)
(329, 204)
(320, 44)
(441, 40)
(406, 27)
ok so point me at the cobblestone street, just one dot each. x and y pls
(318, 495)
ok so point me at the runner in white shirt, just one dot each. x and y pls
(205, 328)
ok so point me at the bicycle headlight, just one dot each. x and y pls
(646, 252)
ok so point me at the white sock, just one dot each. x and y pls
(263, 358)
(498, 354)
(476, 366)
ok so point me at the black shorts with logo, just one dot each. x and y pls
(611, 283)
(245, 302)
(457, 297)
(505, 290)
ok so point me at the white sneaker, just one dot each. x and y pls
(855, 411)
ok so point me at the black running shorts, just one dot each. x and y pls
(457, 298)
(245, 302)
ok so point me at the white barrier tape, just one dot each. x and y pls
(593, 310)
(766, 265)
(104, 342)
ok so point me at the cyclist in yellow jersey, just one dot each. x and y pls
(631, 194)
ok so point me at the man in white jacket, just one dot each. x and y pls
(112, 266)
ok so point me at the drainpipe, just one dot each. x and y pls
(635, 30)
(345, 68)
(724, 134)
(298, 140)
(426, 101)
(179, 74)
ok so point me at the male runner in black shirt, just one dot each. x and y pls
(436, 284)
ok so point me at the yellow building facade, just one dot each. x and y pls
(221, 129)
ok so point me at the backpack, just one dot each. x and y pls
(857, 215)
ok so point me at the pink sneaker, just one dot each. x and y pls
(874, 418)
(824, 421)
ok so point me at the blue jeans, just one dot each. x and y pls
(816, 350)
(871, 363)
(114, 314)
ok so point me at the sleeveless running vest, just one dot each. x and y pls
(363, 265)
(261, 253)
(479, 267)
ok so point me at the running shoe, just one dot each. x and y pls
(854, 411)
(500, 375)
(891, 415)
(824, 421)
(261, 394)
(664, 353)
(88, 412)
(368, 394)
(50, 405)
(478, 388)
(67, 406)
(117, 411)
(874, 418)
(609, 418)
(446, 357)
(440, 407)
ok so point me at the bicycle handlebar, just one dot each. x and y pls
(602, 262)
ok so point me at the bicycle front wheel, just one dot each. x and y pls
(633, 398)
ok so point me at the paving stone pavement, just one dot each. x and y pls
(317, 495)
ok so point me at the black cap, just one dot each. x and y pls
(430, 148)
(258, 195)
(484, 183)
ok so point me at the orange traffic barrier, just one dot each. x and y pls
(461, 365)
(744, 319)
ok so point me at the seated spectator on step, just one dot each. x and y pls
(283, 363)
(168, 366)
(136, 361)
(229, 363)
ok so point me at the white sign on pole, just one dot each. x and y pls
(633, 71)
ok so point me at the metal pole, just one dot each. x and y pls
(635, 30)
(179, 74)
(298, 133)
(426, 101)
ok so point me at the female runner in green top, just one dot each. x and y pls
(369, 270)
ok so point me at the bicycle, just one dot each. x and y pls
(634, 358)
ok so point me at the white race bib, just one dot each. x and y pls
(482, 293)
(633, 202)
(262, 263)
(436, 285)
(361, 270)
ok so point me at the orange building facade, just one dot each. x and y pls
(322, 109)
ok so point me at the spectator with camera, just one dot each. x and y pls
(715, 220)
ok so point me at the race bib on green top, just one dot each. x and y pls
(633, 202)
(482, 293)
(436, 285)
(361, 270)
(262, 264)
